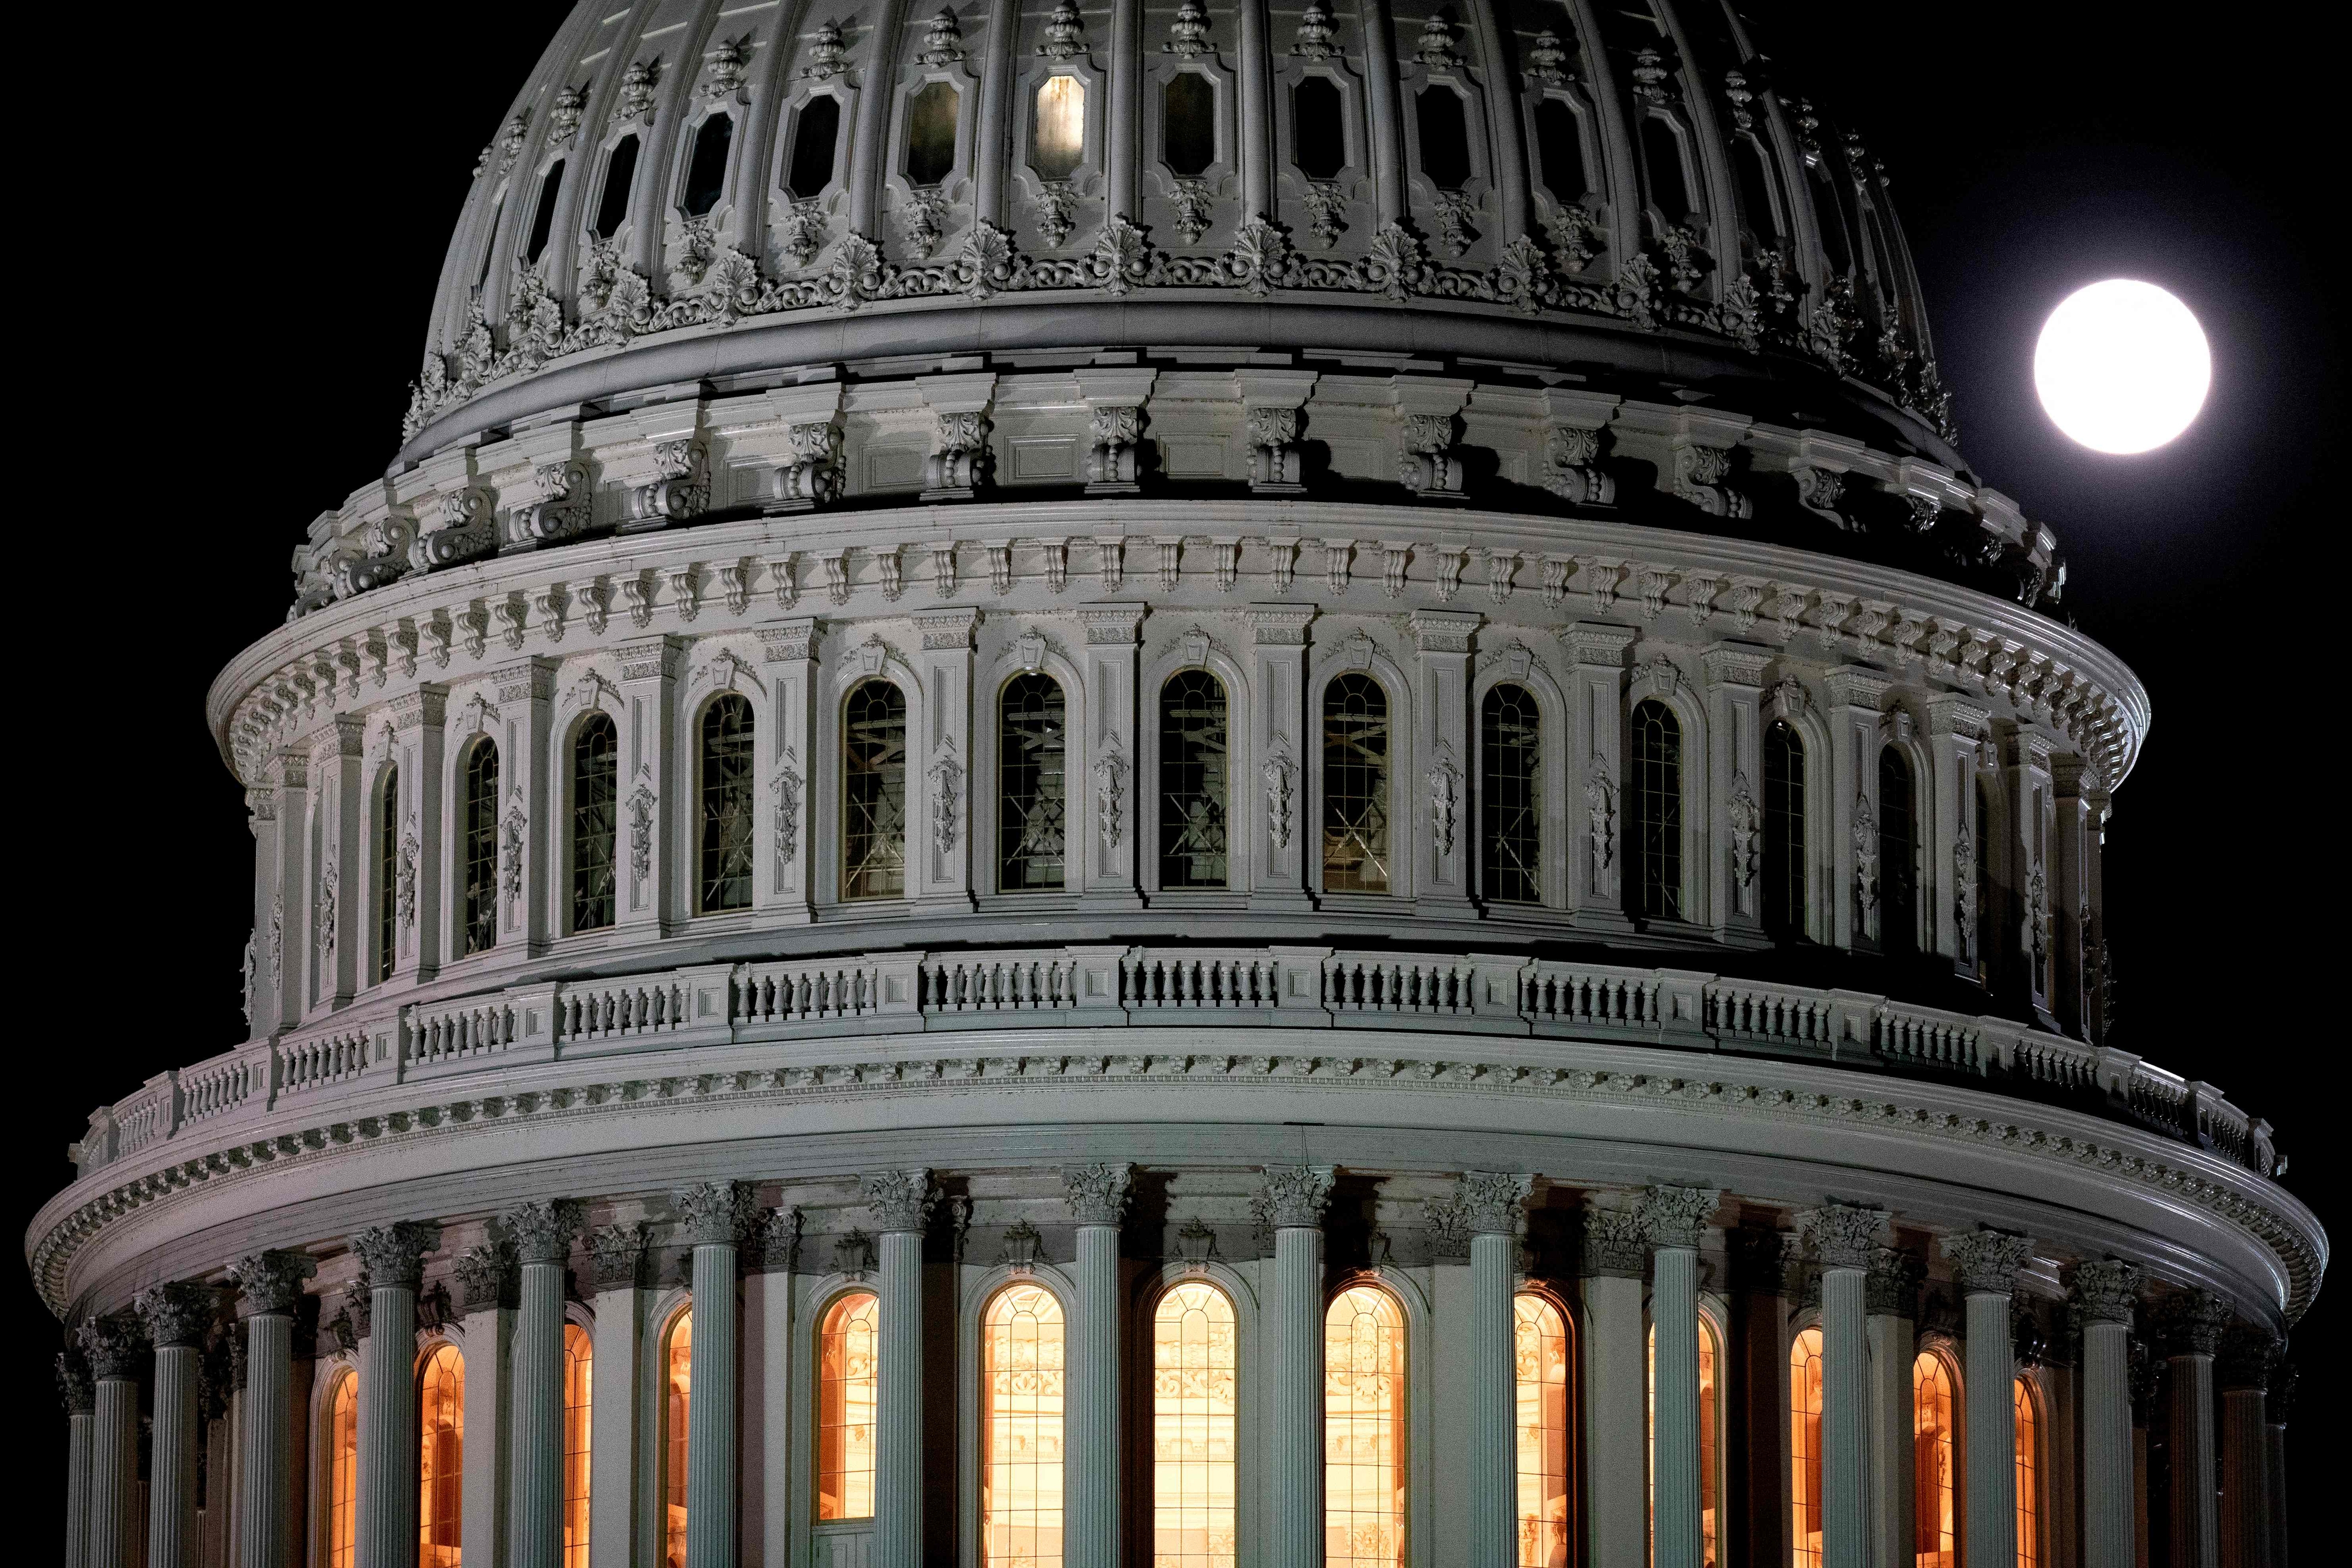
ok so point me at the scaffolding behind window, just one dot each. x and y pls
(596, 821)
(1658, 811)
(1510, 797)
(727, 805)
(478, 848)
(1784, 831)
(1195, 1423)
(387, 874)
(1032, 810)
(1355, 786)
(873, 792)
(1542, 1354)
(1192, 784)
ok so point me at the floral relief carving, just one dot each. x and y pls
(1601, 817)
(1278, 772)
(945, 775)
(404, 875)
(641, 833)
(1111, 794)
(1746, 820)
(1444, 794)
(329, 878)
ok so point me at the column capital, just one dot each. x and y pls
(393, 1255)
(2105, 1291)
(1842, 1235)
(2190, 1323)
(780, 1238)
(2248, 1354)
(713, 1213)
(1892, 1288)
(1444, 631)
(1616, 1237)
(900, 1200)
(1494, 1203)
(1675, 1215)
(1986, 1261)
(616, 1256)
(177, 1313)
(1598, 644)
(485, 1278)
(1098, 1194)
(1292, 1197)
(544, 1231)
(114, 1344)
(77, 1390)
(272, 1281)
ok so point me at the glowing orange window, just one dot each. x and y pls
(440, 1512)
(847, 1357)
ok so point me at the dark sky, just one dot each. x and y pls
(240, 336)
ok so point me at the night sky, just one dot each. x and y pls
(227, 295)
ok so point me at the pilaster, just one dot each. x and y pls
(1104, 821)
(648, 842)
(525, 693)
(2033, 827)
(280, 920)
(417, 750)
(1891, 1298)
(1616, 1256)
(624, 1427)
(901, 1202)
(1445, 854)
(1596, 781)
(331, 924)
(773, 1451)
(942, 852)
(1856, 695)
(2073, 845)
(1097, 1198)
(786, 890)
(1735, 683)
(1280, 833)
(1291, 1201)
(1956, 730)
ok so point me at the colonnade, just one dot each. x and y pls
(2225, 1496)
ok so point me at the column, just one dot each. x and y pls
(1105, 820)
(394, 1257)
(2148, 1370)
(2032, 819)
(1285, 744)
(416, 730)
(2249, 1353)
(787, 659)
(332, 902)
(1956, 731)
(114, 1345)
(1985, 1263)
(2104, 1294)
(1596, 775)
(1616, 1256)
(1292, 1199)
(1097, 1196)
(177, 1316)
(870, 143)
(648, 685)
(1855, 693)
(1844, 1238)
(901, 1202)
(485, 1277)
(1491, 1205)
(1891, 1297)
(282, 826)
(616, 1264)
(1255, 92)
(1675, 1217)
(78, 1392)
(1444, 853)
(542, 1233)
(714, 1216)
(1735, 682)
(526, 693)
(2280, 1405)
(2189, 1323)
(770, 1452)
(939, 849)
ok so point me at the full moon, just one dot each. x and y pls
(2122, 366)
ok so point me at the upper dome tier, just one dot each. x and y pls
(1624, 195)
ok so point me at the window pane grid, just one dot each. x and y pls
(678, 1405)
(1031, 813)
(387, 875)
(343, 1474)
(595, 822)
(1805, 1447)
(1363, 1430)
(441, 1469)
(579, 1365)
(847, 1359)
(1658, 809)
(1934, 1513)
(1511, 796)
(2028, 1480)
(1540, 1352)
(1195, 1414)
(726, 762)
(1355, 786)
(478, 848)
(1020, 1429)
(1784, 831)
(1193, 783)
(873, 792)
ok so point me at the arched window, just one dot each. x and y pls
(1355, 786)
(620, 179)
(1541, 1355)
(596, 821)
(387, 874)
(677, 1409)
(1020, 1400)
(543, 221)
(1188, 124)
(847, 1356)
(1898, 872)
(579, 1367)
(1784, 832)
(1662, 159)
(2028, 1477)
(705, 172)
(1032, 809)
(1559, 152)
(1510, 796)
(1059, 133)
(477, 848)
(1711, 1363)
(1196, 1424)
(931, 133)
(816, 131)
(727, 807)
(1444, 137)
(491, 240)
(873, 792)
(1658, 809)
(441, 1472)
(1831, 214)
(1805, 1447)
(1363, 1430)
(1319, 133)
(1758, 191)
(343, 1472)
(1192, 784)
(1934, 1465)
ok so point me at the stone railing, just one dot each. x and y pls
(1310, 988)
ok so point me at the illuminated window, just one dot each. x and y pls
(343, 1472)
(1510, 803)
(2029, 1479)
(931, 133)
(1195, 1414)
(1355, 786)
(1934, 1512)
(1898, 901)
(1541, 1353)
(1805, 1447)
(477, 847)
(1784, 831)
(727, 807)
(847, 1359)
(1363, 1430)
(1032, 809)
(387, 874)
(706, 173)
(873, 792)
(579, 1366)
(441, 1472)
(1192, 780)
(620, 177)
(1061, 130)
(1020, 1397)
(1708, 1448)
(677, 1408)
(1658, 809)
(595, 821)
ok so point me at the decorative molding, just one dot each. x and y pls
(2104, 1290)
(1293, 1196)
(1098, 1194)
(271, 1282)
(1493, 1203)
(1842, 1235)
(1677, 1216)
(714, 1214)
(177, 1313)
(543, 1230)
(393, 1255)
(616, 1255)
(900, 1200)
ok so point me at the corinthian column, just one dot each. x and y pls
(1987, 1262)
(542, 1235)
(272, 1286)
(114, 1345)
(714, 1216)
(79, 1396)
(2103, 1295)
(901, 1203)
(1891, 1295)
(1097, 1198)
(2277, 1407)
(177, 1316)
(1291, 1201)
(1844, 1238)
(2189, 1325)
(394, 1257)
(1616, 1256)
(2248, 1356)
(1673, 1217)
(1491, 1204)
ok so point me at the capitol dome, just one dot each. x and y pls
(1135, 783)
